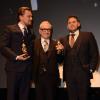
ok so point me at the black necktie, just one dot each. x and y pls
(25, 32)
(25, 35)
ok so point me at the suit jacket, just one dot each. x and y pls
(47, 60)
(10, 46)
(86, 52)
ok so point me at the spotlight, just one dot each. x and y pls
(95, 4)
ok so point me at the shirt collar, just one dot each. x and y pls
(21, 26)
(76, 33)
(42, 40)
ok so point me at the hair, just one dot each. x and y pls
(75, 18)
(22, 10)
(47, 22)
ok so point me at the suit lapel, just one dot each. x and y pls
(40, 46)
(50, 48)
(17, 30)
(68, 40)
(78, 41)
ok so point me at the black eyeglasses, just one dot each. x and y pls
(45, 29)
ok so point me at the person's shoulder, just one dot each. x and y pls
(52, 41)
(12, 27)
(63, 38)
(37, 39)
(86, 33)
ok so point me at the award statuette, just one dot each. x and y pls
(58, 51)
(24, 49)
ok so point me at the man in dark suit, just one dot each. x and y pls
(45, 63)
(16, 45)
(80, 59)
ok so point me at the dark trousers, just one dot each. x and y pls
(77, 85)
(18, 84)
(45, 89)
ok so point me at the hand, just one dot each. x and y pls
(22, 57)
(59, 47)
(65, 85)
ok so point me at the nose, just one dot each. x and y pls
(46, 31)
(31, 18)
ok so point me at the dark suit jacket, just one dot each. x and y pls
(49, 61)
(86, 50)
(10, 46)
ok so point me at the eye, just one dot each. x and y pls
(45, 29)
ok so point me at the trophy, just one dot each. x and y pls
(24, 49)
(59, 50)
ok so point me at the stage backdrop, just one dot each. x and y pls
(56, 11)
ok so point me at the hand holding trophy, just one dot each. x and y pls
(25, 54)
(24, 49)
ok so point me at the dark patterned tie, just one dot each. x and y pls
(46, 45)
(71, 40)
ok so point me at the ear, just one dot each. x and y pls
(20, 17)
(79, 24)
(39, 31)
(66, 25)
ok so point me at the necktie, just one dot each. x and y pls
(72, 40)
(45, 46)
(25, 32)
(25, 37)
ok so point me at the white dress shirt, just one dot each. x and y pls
(43, 43)
(76, 34)
(22, 27)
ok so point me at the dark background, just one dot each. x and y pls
(56, 11)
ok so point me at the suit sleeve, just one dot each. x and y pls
(94, 53)
(5, 47)
(36, 60)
